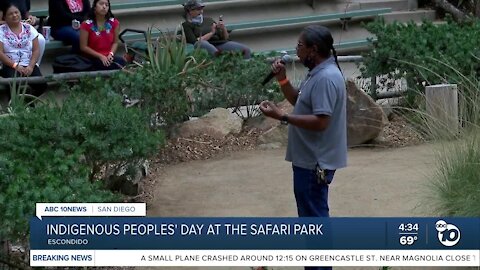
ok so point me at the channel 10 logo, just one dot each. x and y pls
(448, 234)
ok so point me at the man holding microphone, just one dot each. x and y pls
(317, 128)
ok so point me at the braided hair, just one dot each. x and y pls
(321, 37)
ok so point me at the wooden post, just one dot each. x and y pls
(373, 87)
(442, 108)
(412, 4)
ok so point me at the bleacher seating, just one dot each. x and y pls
(349, 44)
(270, 23)
(309, 19)
(129, 5)
(244, 28)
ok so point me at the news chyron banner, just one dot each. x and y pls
(121, 235)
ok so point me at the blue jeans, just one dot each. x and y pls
(215, 50)
(69, 36)
(311, 196)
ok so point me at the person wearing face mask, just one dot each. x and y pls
(206, 33)
(317, 127)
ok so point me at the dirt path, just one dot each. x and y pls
(377, 182)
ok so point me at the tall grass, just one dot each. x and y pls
(455, 185)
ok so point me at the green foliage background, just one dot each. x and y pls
(414, 52)
(48, 154)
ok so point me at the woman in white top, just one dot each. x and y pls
(19, 48)
(24, 7)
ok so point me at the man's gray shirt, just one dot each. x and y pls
(321, 93)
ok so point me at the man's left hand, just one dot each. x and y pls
(270, 109)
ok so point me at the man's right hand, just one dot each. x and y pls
(278, 68)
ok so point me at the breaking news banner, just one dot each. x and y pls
(120, 235)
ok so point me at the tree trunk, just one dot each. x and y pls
(477, 9)
(456, 13)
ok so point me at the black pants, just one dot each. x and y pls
(118, 63)
(36, 89)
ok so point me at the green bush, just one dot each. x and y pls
(230, 81)
(402, 48)
(52, 153)
(158, 92)
(105, 131)
(159, 81)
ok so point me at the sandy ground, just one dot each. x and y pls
(377, 183)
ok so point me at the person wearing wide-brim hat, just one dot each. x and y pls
(206, 33)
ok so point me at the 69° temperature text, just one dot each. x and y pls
(408, 240)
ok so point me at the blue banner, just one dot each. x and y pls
(143, 233)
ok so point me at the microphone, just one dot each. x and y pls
(285, 59)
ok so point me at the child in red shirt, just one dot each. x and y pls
(99, 37)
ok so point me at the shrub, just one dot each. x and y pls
(52, 153)
(230, 81)
(159, 81)
(402, 47)
(106, 132)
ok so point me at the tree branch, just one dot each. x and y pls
(458, 15)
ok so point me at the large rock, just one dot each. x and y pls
(365, 118)
(217, 124)
(263, 123)
(272, 132)
(276, 135)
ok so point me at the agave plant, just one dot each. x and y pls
(169, 52)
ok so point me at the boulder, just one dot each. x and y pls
(276, 135)
(365, 118)
(263, 123)
(217, 124)
(273, 133)
(128, 178)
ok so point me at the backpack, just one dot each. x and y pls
(71, 63)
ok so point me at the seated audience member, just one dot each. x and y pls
(65, 17)
(207, 34)
(19, 49)
(99, 37)
(24, 7)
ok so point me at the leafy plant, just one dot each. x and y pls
(53, 154)
(231, 81)
(401, 45)
(107, 132)
(160, 82)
